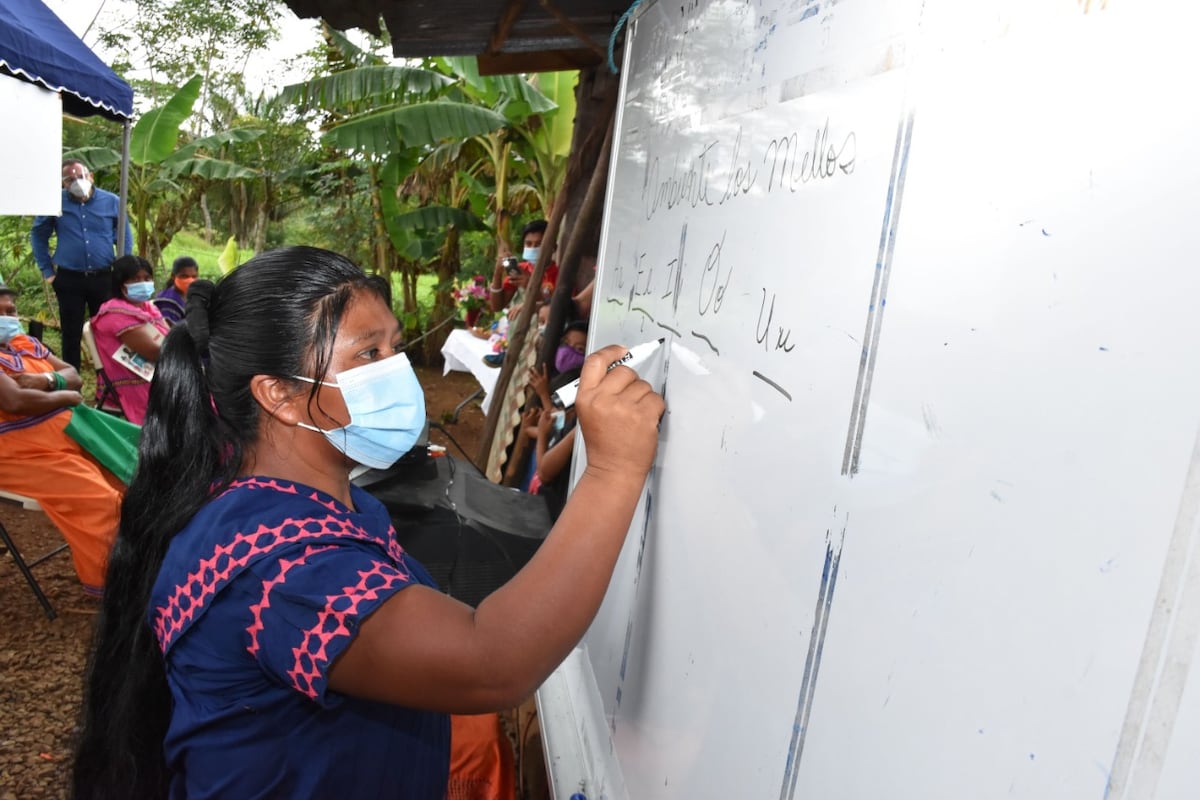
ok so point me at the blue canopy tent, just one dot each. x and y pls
(36, 46)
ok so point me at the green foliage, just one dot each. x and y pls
(190, 243)
(15, 251)
(512, 95)
(156, 134)
(229, 257)
(97, 158)
(554, 134)
(357, 86)
(434, 217)
(414, 125)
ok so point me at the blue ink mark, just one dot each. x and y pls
(1044, 232)
(883, 267)
(812, 664)
(1103, 349)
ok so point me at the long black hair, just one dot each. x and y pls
(276, 315)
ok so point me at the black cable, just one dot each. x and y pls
(466, 457)
(429, 332)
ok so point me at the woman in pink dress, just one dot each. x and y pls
(129, 331)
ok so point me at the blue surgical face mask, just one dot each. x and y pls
(139, 291)
(387, 411)
(9, 327)
(531, 254)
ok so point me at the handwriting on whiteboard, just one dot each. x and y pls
(718, 173)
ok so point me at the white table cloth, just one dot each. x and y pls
(464, 352)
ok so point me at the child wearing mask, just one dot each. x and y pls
(571, 347)
(171, 300)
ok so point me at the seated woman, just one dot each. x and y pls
(172, 298)
(37, 391)
(129, 331)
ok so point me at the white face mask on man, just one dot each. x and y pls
(80, 188)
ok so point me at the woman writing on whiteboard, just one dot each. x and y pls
(263, 634)
(129, 331)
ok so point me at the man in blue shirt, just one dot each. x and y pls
(80, 269)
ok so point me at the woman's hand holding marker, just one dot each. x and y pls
(618, 414)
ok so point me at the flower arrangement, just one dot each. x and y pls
(471, 297)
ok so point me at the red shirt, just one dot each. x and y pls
(549, 277)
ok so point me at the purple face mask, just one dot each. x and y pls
(567, 359)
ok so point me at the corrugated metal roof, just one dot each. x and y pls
(510, 35)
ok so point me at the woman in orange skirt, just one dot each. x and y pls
(37, 392)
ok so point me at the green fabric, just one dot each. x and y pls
(111, 440)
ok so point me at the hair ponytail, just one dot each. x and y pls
(127, 704)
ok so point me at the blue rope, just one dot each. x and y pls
(612, 40)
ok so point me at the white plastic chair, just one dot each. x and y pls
(106, 393)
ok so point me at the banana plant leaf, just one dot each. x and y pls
(420, 124)
(215, 142)
(156, 134)
(512, 95)
(438, 217)
(214, 169)
(160, 185)
(559, 126)
(97, 158)
(392, 173)
(355, 86)
(229, 256)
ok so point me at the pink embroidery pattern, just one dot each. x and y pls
(214, 572)
(256, 610)
(312, 655)
(393, 545)
(227, 560)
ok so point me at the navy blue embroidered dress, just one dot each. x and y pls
(256, 598)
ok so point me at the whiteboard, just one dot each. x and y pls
(923, 520)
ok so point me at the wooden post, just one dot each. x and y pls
(589, 216)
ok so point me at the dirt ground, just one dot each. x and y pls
(42, 661)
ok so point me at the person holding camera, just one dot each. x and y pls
(510, 282)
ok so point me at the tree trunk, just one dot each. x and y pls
(448, 266)
(208, 225)
(591, 213)
(596, 100)
(263, 216)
